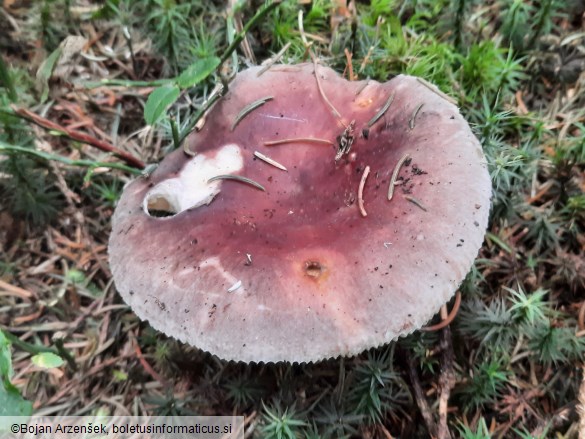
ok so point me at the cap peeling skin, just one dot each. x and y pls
(315, 278)
(190, 188)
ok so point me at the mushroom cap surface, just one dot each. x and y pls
(296, 272)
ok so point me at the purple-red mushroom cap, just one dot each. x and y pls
(259, 264)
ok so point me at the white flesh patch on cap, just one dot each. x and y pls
(190, 189)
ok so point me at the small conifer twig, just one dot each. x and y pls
(322, 92)
(448, 319)
(349, 56)
(420, 398)
(262, 12)
(57, 158)
(302, 30)
(447, 378)
(581, 318)
(79, 136)
(147, 367)
(274, 59)
(581, 398)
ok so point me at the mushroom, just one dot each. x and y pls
(253, 262)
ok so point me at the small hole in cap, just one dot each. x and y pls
(158, 206)
(314, 269)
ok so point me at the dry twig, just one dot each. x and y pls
(447, 378)
(395, 175)
(274, 59)
(298, 140)
(581, 317)
(581, 408)
(420, 398)
(449, 318)
(322, 93)
(348, 56)
(361, 191)
(147, 367)
(79, 136)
